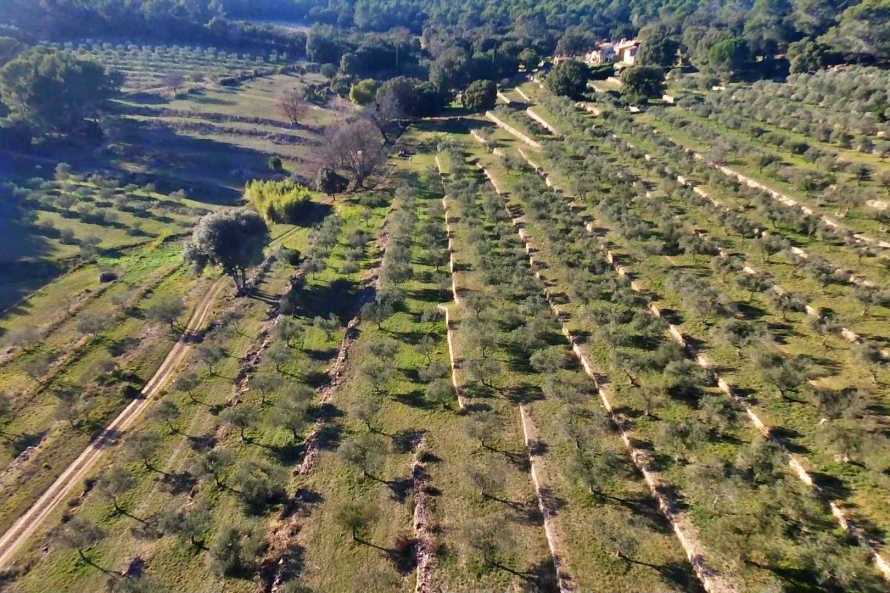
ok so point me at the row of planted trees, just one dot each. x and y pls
(224, 434)
(762, 108)
(690, 387)
(788, 224)
(826, 178)
(605, 188)
(867, 352)
(515, 350)
(776, 226)
(848, 99)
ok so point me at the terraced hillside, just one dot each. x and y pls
(555, 347)
(779, 306)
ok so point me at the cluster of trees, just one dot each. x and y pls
(742, 111)
(204, 20)
(827, 185)
(569, 79)
(641, 82)
(358, 145)
(848, 107)
(490, 40)
(735, 41)
(813, 33)
(322, 241)
(50, 92)
(782, 217)
(446, 63)
(837, 181)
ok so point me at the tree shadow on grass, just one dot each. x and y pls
(523, 394)
(525, 512)
(832, 486)
(320, 355)
(20, 442)
(338, 297)
(414, 399)
(796, 580)
(329, 437)
(202, 442)
(178, 482)
(540, 577)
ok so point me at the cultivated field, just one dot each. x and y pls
(558, 347)
(148, 66)
(775, 294)
(169, 159)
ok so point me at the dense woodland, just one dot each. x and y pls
(446, 45)
(838, 27)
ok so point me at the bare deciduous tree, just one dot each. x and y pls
(292, 106)
(356, 147)
(174, 80)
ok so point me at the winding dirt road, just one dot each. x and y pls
(57, 493)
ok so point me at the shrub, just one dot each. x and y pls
(364, 92)
(279, 201)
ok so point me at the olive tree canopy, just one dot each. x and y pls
(233, 240)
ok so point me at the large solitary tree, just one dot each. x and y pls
(293, 106)
(232, 240)
(54, 91)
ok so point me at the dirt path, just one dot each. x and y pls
(73, 476)
(424, 532)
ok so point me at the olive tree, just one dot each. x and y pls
(5, 415)
(115, 483)
(166, 310)
(80, 535)
(354, 517)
